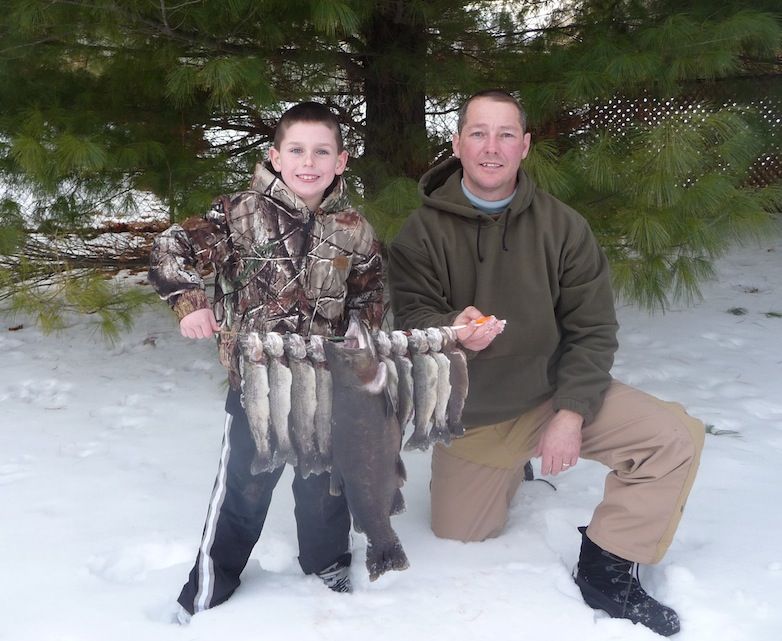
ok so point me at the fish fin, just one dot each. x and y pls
(401, 472)
(398, 506)
(378, 384)
(391, 406)
(335, 487)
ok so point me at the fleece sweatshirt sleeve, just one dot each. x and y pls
(585, 312)
(417, 296)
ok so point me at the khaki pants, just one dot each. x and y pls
(652, 447)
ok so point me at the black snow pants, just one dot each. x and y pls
(237, 511)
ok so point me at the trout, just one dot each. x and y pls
(317, 357)
(460, 381)
(383, 345)
(301, 421)
(404, 369)
(255, 400)
(280, 382)
(365, 438)
(440, 432)
(425, 375)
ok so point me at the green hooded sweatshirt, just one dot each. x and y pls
(538, 266)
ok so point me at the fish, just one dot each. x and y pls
(404, 369)
(460, 381)
(383, 346)
(301, 421)
(255, 401)
(365, 437)
(317, 356)
(440, 432)
(425, 375)
(280, 382)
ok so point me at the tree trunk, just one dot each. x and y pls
(395, 136)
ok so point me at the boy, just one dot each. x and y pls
(290, 255)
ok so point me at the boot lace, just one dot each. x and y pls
(626, 575)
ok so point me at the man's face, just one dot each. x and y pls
(491, 146)
(308, 160)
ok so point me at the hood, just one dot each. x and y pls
(441, 188)
(269, 182)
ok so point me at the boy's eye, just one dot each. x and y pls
(295, 150)
(322, 152)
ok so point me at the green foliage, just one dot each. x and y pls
(12, 232)
(387, 210)
(679, 200)
(53, 297)
(107, 97)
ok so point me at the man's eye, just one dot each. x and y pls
(477, 134)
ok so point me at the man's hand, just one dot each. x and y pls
(199, 324)
(474, 336)
(560, 444)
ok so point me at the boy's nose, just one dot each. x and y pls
(308, 160)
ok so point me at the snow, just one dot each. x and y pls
(108, 454)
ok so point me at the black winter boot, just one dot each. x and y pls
(610, 583)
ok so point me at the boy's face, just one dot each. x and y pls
(308, 160)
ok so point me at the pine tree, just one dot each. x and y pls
(108, 97)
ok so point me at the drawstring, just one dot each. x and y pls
(505, 229)
(504, 235)
(478, 239)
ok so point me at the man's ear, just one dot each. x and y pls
(526, 144)
(274, 158)
(455, 144)
(342, 162)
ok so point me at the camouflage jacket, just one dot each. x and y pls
(278, 266)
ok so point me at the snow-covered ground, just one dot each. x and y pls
(108, 454)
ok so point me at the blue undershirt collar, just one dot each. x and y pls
(487, 206)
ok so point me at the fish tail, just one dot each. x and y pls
(383, 559)
(418, 441)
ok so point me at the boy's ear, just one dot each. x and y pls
(342, 162)
(274, 158)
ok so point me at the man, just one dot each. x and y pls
(488, 241)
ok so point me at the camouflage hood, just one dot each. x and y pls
(278, 266)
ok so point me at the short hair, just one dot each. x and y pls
(498, 95)
(308, 112)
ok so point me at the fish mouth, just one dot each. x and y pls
(357, 336)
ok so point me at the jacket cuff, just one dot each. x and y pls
(190, 301)
(579, 407)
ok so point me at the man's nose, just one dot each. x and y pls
(491, 144)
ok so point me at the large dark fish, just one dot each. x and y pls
(317, 357)
(255, 400)
(365, 438)
(460, 381)
(301, 421)
(280, 381)
(425, 375)
(404, 369)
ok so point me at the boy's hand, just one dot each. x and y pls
(199, 324)
(477, 335)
